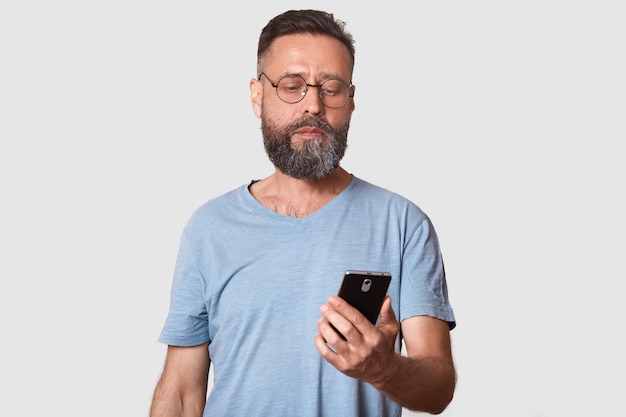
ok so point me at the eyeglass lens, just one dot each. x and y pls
(333, 93)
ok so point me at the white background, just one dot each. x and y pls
(503, 120)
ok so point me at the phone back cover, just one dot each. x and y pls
(368, 302)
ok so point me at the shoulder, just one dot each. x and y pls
(212, 213)
(367, 188)
(385, 199)
(220, 202)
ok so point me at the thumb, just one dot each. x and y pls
(387, 315)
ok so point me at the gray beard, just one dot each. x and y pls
(316, 159)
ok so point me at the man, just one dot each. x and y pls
(257, 267)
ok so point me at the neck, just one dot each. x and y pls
(299, 198)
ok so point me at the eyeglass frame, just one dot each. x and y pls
(306, 90)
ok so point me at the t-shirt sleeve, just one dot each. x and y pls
(424, 289)
(187, 321)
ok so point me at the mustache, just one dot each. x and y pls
(310, 122)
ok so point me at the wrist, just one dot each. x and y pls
(388, 372)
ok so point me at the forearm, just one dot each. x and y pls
(182, 388)
(424, 384)
(169, 403)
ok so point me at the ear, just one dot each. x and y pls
(256, 96)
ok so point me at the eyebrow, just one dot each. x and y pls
(324, 76)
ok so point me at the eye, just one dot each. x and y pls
(333, 88)
(290, 87)
(291, 84)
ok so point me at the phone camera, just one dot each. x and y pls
(366, 285)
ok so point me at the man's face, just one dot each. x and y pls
(304, 140)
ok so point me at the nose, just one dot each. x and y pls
(312, 100)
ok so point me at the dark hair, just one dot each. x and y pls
(303, 21)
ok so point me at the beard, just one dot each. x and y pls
(315, 159)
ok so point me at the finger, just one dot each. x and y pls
(333, 325)
(359, 324)
(387, 315)
(346, 310)
(322, 346)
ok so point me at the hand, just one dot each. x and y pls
(368, 351)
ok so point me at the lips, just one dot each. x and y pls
(311, 128)
(309, 131)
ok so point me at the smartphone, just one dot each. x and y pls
(365, 290)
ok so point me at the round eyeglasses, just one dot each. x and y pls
(292, 88)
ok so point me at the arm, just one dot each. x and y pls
(182, 388)
(424, 380)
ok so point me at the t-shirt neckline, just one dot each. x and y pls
(271, 214)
